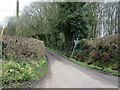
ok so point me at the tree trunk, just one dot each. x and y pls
(68, 45)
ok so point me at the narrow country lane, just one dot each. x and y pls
(66, 74)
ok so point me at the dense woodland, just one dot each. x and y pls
(59, 23)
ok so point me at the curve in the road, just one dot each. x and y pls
(66, 74)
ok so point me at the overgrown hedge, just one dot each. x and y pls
(101, 52)
(23, 60)
(23, 47)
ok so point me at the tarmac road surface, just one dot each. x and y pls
(67, 74)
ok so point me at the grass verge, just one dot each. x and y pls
(107, 70)
(18, 72)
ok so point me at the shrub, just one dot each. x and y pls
(21, 60)
(99, 51)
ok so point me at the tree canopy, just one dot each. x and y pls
(59, 23)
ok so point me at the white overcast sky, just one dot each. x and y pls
(8, 8)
